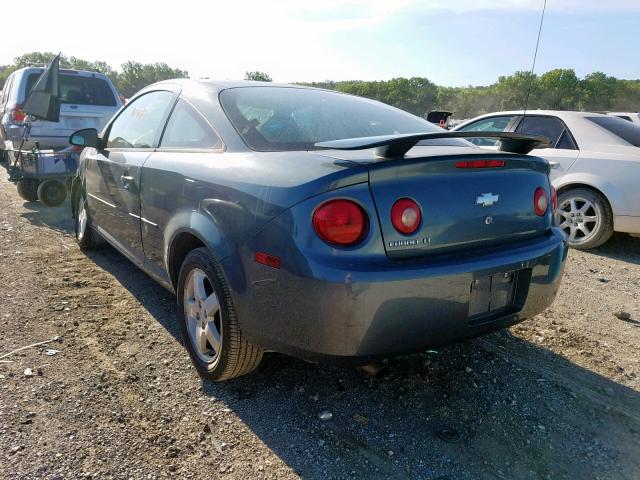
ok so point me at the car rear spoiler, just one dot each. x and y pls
(395, 146)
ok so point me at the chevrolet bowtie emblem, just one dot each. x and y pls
(487, 199)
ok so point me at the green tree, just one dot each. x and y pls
(559, 90)
(5, 71)
(257, 76)
(135, 76)
(95, 66)
(39, 58)
(517, 91)
(44, 58)
(598, 91)
(416, 95)
(626, 96)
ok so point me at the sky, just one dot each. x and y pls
(451, 42)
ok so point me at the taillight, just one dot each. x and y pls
(540, 201)
(554, 200)
(340, 222)
(405, 216)
(480, 164)
(18, 115)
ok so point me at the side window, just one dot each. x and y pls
(6, 90)
(549, 127)
(186, 128)
(566, 142)
(492, 124)
(139, 124)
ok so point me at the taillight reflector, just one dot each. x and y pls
(480, 164)
(405, 216)
(340, 222)
(540, 201)
(18, 115)
(268, 260)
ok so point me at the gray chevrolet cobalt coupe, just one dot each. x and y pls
(321, 225)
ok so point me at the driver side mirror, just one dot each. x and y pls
(87, 137)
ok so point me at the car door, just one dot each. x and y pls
(499, 123)
(563, 151)
(113, 173)
(170, 181)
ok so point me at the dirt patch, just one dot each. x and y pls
(555, 397)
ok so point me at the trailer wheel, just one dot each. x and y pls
(28, 189)
(52, 193)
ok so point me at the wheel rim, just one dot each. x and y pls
(203, 316)
(579, 218)
(82, 220)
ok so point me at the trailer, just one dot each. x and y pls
(44, 175)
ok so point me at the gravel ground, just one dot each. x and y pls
(554, 397)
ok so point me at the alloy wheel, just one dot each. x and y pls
(203, 315)
(579, 218)
(82, 220)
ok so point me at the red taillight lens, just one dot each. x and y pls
(554, 199)
(18, 115)
(268, 260)
(480, 164)
(405, 216)
(340, 222)
(540, 201)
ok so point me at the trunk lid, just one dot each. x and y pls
(461, 208)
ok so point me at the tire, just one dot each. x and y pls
(28, 189)
(83, 232)
(52, 193)
(218, 351)
(586, 217)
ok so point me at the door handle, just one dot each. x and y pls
(554, 164)
(127, 181)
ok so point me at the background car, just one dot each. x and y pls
(271, 240)
(595, 167)
(633, 117)
(88, 100)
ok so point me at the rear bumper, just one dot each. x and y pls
(57, 139)
(354, 315)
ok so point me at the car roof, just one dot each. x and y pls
(555, 113)
(216, 86)
(63, 71)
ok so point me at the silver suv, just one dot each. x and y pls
(88, 100)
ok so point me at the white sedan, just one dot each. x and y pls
(595, 168)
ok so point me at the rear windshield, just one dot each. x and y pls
(80, 90)
(281, 118)
(623, 129)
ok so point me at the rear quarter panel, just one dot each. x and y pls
(224, 198)
(615, 175)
